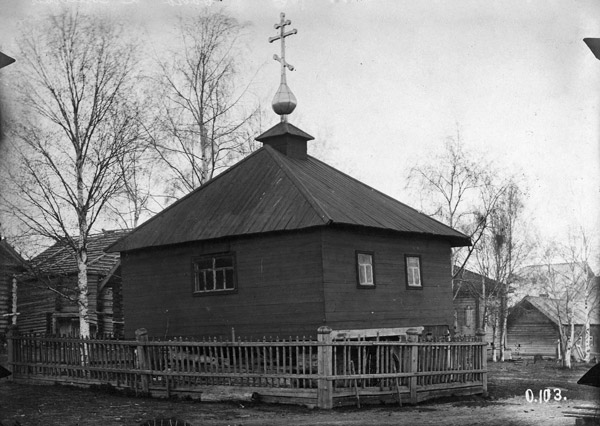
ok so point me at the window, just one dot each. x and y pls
(364, 269)
(214, 274)
(413, 271)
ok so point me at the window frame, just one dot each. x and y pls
(406, 275)
(213, 256)
(357, 268)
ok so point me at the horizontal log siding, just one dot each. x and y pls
(33, 305)
(36, 302)
(390, 303)
(534, 332)
(279, 289)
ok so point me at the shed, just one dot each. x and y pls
(282, 243)
(47, 293)
(532, 326)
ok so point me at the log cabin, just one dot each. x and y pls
(532, 327)
(11, 265)
(42, 310)
(281, 244)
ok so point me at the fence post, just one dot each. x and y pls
(413, 337)
(324, 351)
(141, 335)
(483, 363)
(11, 334)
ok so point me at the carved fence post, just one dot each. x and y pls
(12, 333)
(324, 387)
(413, 337)
(141, 335)
(483, 363)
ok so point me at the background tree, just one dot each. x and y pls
(564, 276)
(203, 121)
(500, 253)
(76, 74)
(578, 254)
(461, 191)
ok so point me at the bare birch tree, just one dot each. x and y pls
(499, 255)
(461, 191)
(69, 146)
(204, 120)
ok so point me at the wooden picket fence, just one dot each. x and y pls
(322, 373)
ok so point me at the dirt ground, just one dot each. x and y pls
(506, 405)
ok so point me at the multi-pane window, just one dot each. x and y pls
(413, 271)
(214, 274)
(364, 265)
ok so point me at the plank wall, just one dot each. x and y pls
(279, 288)
(390, 303)
(533, 331)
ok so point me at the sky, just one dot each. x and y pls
(381, 85)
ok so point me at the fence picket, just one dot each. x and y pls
(320, 370)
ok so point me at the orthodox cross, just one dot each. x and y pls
(282, 35)
(284, 101)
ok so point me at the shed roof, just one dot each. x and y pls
(60, 258)
(269, 191)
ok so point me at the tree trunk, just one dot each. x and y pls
(495, 340)
(82, 285)
(569, 346)
(586, 334)
(82, 281)
(502, 320)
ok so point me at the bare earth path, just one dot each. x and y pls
(507, 405)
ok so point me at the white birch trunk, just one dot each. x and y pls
(503, 339)
(587, 338)
(569, 346)
(495, 340)
(82, 285)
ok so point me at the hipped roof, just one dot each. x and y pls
(268, 192)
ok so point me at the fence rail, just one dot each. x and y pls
(320, 373)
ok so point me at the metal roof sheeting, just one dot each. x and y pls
(268, 191)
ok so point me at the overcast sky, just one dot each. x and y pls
(381, 84)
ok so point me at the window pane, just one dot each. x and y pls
(362, 275)
(209, 285)
(417, 278)
(364, 259)
(229, 279)
(220, 282)
(204, 263)
(199, 282)
(369, 273)
(413, 262)
(223, 262)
